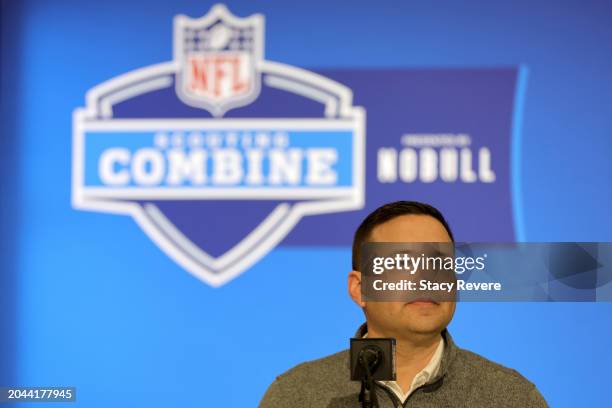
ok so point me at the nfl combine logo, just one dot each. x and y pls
(218, 154)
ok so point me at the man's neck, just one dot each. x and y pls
(412, 354)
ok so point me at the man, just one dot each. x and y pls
(431, 370)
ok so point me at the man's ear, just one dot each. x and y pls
(354, 287)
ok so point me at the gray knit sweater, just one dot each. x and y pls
(464, 379)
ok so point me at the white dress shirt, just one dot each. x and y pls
(430, 370)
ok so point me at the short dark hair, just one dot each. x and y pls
(388, 212)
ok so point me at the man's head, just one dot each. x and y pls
(401, 221)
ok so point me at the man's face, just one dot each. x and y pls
(417, 318)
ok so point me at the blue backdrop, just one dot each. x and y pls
(87, 300)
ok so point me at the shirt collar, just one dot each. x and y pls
(433, 371)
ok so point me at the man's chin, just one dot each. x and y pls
(424, 319)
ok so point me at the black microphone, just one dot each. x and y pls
(369, 358)
(372, 359)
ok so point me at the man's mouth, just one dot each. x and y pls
(423, 301)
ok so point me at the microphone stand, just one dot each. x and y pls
(369, 359)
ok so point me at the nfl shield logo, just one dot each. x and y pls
(218, 57)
